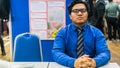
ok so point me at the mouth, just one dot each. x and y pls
(79, 18)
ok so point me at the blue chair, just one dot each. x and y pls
(27, 48)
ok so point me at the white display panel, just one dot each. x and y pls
(46, 17)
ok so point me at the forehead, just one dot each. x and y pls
(79, 6)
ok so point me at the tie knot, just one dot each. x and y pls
(79, 30)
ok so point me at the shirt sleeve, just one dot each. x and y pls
(58, 51)
(102, 51)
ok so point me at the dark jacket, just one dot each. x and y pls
(98, 13)
(4, 9)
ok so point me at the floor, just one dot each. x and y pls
(115, 51)
(7, 49)
(114, 48)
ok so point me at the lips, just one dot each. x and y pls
(80, 18)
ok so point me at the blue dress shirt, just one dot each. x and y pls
(65, 43)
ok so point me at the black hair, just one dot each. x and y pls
(110, 0)
(74, 2)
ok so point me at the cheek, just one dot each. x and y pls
(72, 17)
(86, 16)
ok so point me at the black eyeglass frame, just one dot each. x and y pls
(79, 10)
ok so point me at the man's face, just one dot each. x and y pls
(79, 14)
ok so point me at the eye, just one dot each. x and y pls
(75, 10)
(79, 10)
(83, 10)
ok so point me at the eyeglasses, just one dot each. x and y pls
(79, 10)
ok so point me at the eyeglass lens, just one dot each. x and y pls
(79, 10)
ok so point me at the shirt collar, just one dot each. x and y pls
(84, 26)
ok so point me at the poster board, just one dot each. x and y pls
(46, 17)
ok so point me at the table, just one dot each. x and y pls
(109, 65)
(51, 65)
(4, 64)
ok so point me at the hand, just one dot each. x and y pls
(85, 62)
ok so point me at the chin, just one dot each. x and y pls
(81, 22)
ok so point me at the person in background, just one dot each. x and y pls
(119, 25)
(111, 10)
(2, 46)
(90, 3)
(98, 14)
(1, 41)
(4, 17)
(93, 50)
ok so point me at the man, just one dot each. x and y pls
(90, 3)
(4, 15)
(119, 25)
(111, 10)
(95, 52)
(2, 46)
(98, 14)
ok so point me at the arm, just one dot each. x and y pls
(58, 51)
(102, 51)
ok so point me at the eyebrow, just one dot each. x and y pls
(79, 8)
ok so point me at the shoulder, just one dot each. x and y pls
(107, 4)
(100, 3)
(91, 27)
(65, 29)
(95, 31)
(115, 4)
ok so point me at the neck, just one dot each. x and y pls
(79, 25)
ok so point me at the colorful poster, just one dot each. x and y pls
(46, 17)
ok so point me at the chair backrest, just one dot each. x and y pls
(27, 47)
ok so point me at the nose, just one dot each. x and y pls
(79, 12)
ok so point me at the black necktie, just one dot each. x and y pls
(80, 43)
